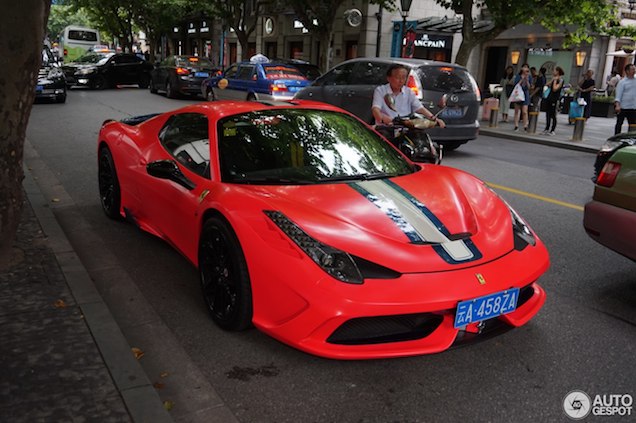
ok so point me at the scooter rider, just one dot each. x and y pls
(406, 102)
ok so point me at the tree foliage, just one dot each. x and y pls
(62, 16)
(579, 20)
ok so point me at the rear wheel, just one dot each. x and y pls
(170, 91)
(151, 86)
(224, 276)
(109, 190)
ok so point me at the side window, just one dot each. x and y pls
(338, 76)
(231, 72)
(370, 73)
(246, 72)
(185, 137)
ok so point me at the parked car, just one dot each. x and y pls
(181, 75)
(610, 147)
(306, 223)
(610, 218)
(106, 70)
(350, 85)
(51, 81)
(257, 79)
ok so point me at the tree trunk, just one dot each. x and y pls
(21, 46)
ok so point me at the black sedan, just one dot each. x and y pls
(181, 75)
(105, 70)
(51, 82)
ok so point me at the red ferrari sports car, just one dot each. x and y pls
(306, 223)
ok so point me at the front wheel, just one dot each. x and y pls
(109, 190)
(100, 82)
(144, 81)
(224, 276)
(209, 95)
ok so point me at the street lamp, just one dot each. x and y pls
(580, 57)
(515, 54)
(405, 5)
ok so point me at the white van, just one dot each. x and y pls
(74, 41)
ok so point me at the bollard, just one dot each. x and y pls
(533, 117)
(579, 126)
(494, 117)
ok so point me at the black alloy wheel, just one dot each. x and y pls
(224, 276)
(109, 190)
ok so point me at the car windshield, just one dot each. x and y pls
(94, 58)
(445, 79)
(303, 146)
(194, 62)
(310, 71)
(282, 72)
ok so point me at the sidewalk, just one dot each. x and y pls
(62, 355)
(596, 132)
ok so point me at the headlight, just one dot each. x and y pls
(523, 234)
(86, 71)
(55, 73)
(336, 263)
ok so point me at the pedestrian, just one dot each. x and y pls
(555, 86)
(536, 94)
(586, 86)
(613, 81)
(507, 84)
(521, 107)
(625, 100)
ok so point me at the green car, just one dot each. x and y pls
(610, 218)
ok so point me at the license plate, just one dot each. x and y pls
(487, 307)
(454, 112)
(38, 88)
(201, 74)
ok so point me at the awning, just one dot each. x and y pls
(620, 53)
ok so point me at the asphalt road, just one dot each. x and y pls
(583, 338)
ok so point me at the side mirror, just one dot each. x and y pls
(390, 102)
(168, 169)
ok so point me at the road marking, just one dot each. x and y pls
(536, 197)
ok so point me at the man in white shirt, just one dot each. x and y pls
(625, 100)
(406, 102)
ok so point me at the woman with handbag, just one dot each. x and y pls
(507, 83)
(520, 96)
(551, 96)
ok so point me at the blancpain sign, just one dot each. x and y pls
(433, 41)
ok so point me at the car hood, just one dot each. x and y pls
(436, 219)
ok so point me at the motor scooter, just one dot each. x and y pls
(408, 134)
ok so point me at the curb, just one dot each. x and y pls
(139, 396)
(569, 145)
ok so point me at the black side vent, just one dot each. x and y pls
(385, 329)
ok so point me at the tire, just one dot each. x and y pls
(109, 189)
(144, 81)
(225, 280)
(151, 86)
(100, 83)
(61, 98)
(209, 96)
(251, 97)
(170, 92)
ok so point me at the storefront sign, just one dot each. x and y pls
(433, 41)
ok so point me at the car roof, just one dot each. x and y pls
(412, 63)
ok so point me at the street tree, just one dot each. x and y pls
(21, 34)
(62, 15)
(579, 20)
(115, 18)
(318, 18)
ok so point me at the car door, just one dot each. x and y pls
(171, 198)
(245, 82)
(329, 87)
(229, 75)
(358, 94)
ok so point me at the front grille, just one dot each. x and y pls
(384, 329)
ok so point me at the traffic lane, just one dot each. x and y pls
(528, 370)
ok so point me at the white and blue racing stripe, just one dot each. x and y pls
(416, 221)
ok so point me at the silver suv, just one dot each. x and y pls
(350, 85)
